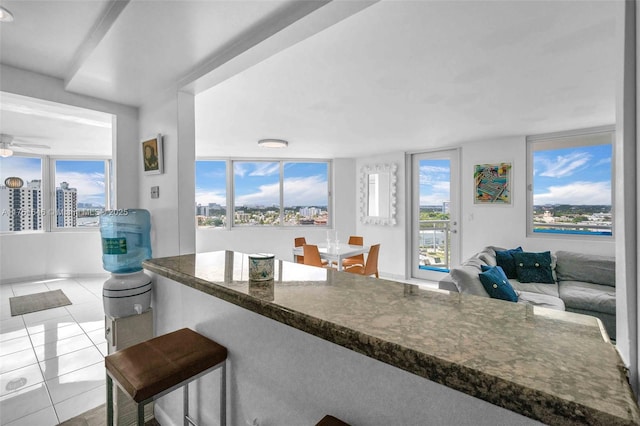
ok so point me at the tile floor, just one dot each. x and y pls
(52, 361)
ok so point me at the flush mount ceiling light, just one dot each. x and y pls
(5, 15)
(273, 143)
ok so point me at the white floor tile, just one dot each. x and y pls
(5, 309)
(12, 328)
(17, 360)
(15, 345)
(54, 334)
(41, 326)
(16, 380)
(103, 348)
(47, 314)
(68, 345)
(67, 363)
(88, 326)
(77, 382)
(46, 417)
(62, 347)
(97, 336)
(79, 404)
(8, 335)
(91, 311)
(22, 289)
(27, 401)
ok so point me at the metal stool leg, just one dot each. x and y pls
(223, 394)
(109, 401)
(140, 407)
(185, 405)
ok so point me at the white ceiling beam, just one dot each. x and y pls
(97, 33)
(294, 23)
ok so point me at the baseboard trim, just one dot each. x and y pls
(43, 277)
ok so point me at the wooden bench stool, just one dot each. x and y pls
(160, 365)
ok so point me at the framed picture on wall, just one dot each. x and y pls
(492, 183)
(152, 156)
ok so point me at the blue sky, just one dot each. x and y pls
(86, 176)
(257, 183)
(577, 176)
(435, 177)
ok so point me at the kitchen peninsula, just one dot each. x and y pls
(375, 352)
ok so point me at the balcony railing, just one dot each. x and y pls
(572, 228)
(434, 245)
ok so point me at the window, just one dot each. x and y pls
(80, 192)
(256, 193)
(570, 183)
(262, 193)
(211, 194)
(80, 188)
(306, 194)
(21, 207)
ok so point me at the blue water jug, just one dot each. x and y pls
(126, 239)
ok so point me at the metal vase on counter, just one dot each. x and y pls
(261, 266)
(261, 276)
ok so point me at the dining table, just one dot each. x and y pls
(335, 252)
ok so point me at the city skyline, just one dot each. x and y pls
(87, 176)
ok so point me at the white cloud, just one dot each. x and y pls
(239, 169)
(606, 160)
(429, 174)
(577, 193)
(90, 186)
(306, 191)
(265, 169)
(303, 191)
(204, 197)
(563, 165)
(267, 195)
(434, 199)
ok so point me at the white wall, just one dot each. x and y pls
(161, 117)
(392, 238)
(40, 254)
(506, 226)
(480, 225)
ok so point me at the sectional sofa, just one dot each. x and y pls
(581, 283)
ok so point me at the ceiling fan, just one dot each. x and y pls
(8, 143)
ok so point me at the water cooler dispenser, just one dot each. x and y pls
(126, 295)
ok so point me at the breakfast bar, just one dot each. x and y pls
(315, 341)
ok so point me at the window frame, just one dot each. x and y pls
(48, 191)
(573, 138)
(51, 190)
(230, 191)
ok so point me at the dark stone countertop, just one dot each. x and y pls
(549, 365)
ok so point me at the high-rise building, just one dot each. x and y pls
(21, 208)
(67, 206)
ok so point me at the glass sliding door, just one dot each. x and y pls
(435, 237)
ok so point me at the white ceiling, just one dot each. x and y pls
(395, 75)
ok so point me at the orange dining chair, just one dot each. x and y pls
(312, 256)
(299, 242)
(354, 240)
(371, 265)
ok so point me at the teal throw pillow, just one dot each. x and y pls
(495, 282)
(505, 260)
(534, 267)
